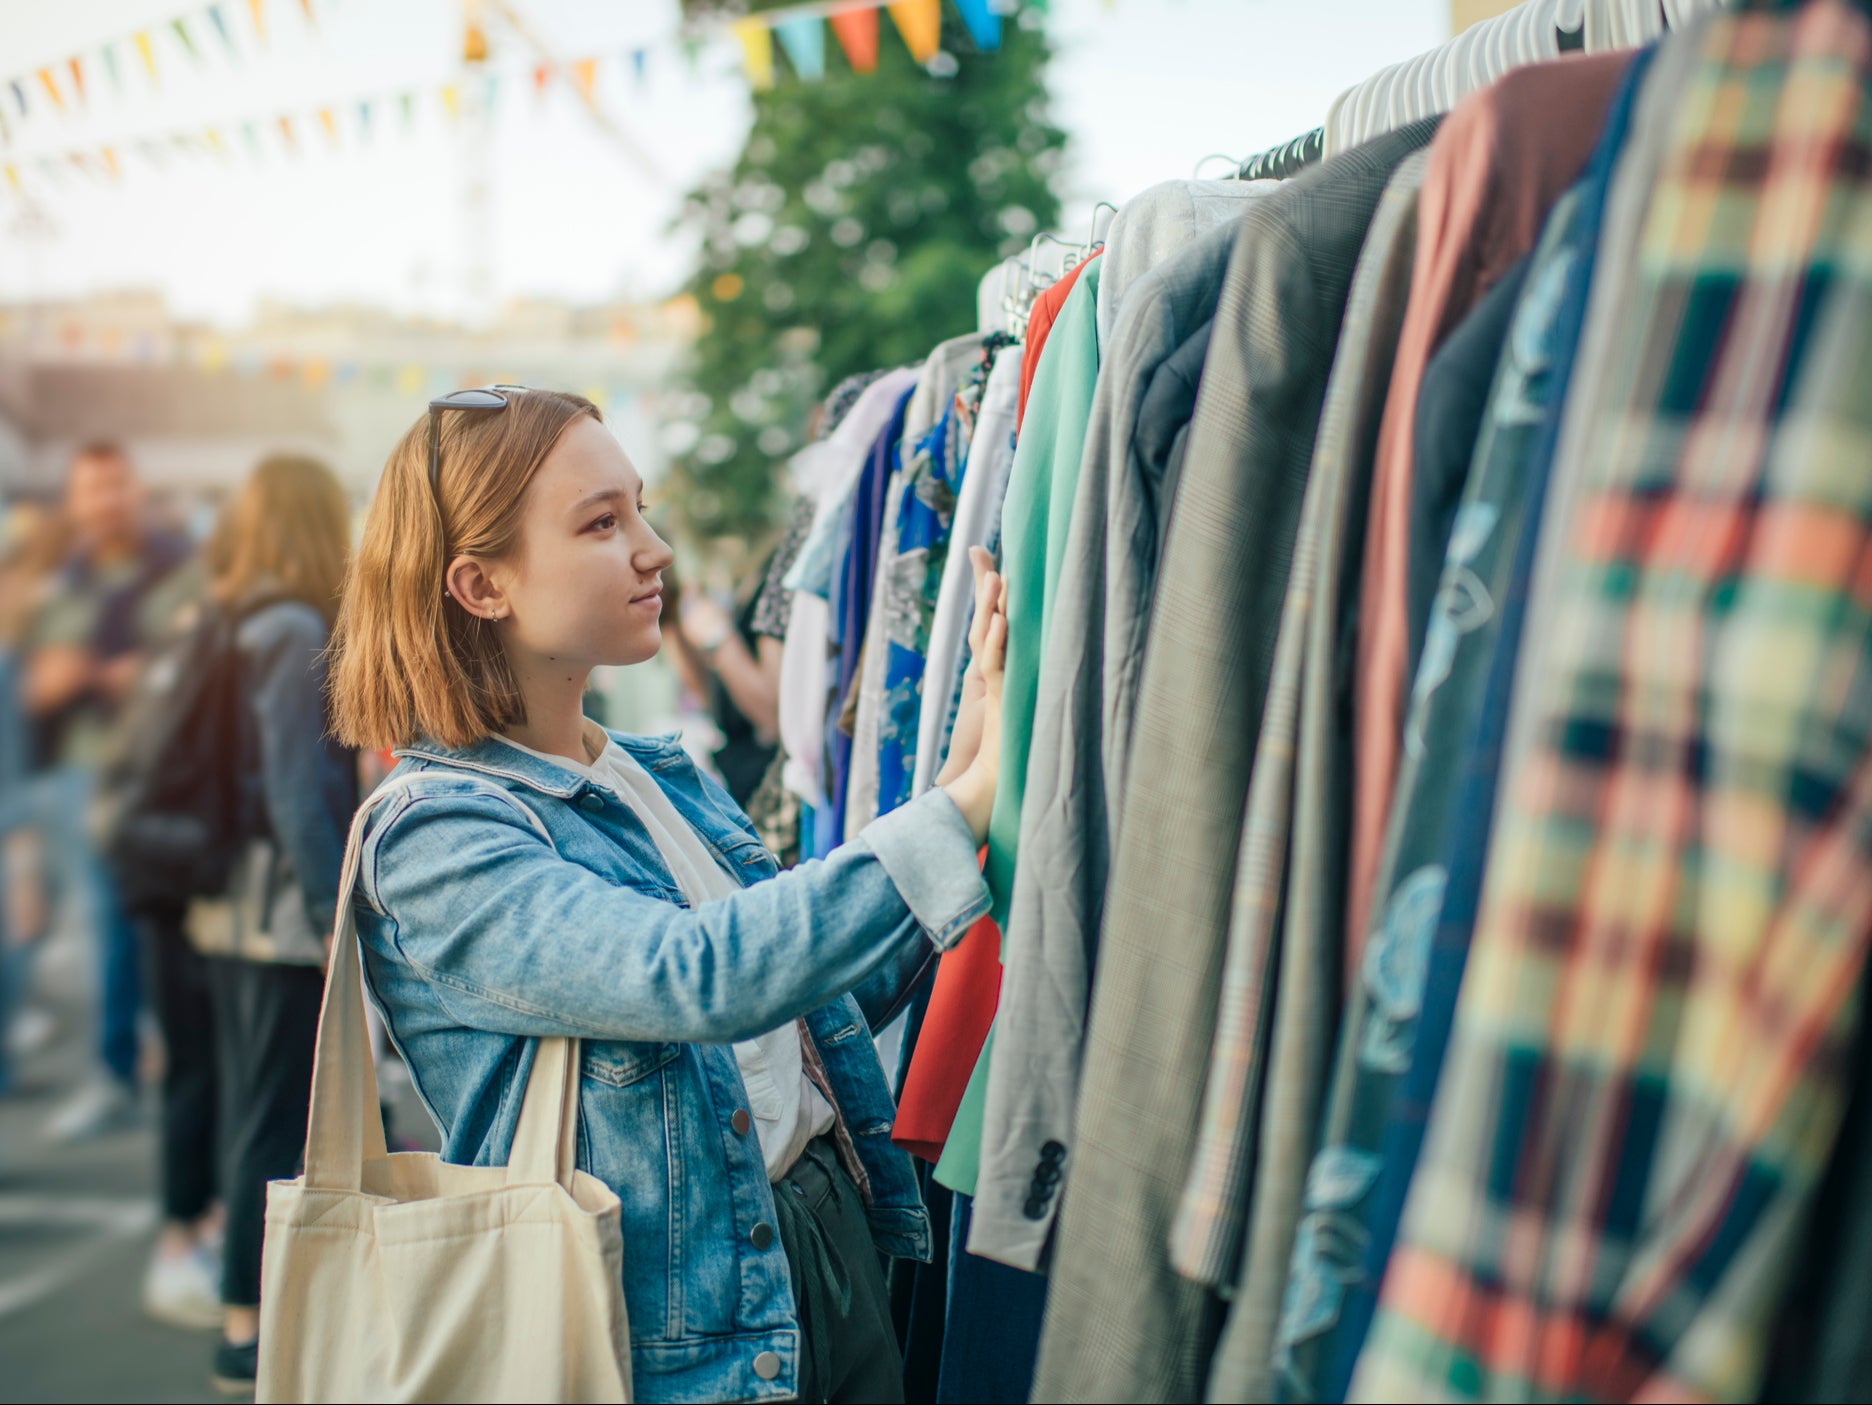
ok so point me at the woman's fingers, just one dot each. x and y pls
(987, 591)
(993, 653)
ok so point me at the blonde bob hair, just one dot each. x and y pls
(407, 661)
(288, 529)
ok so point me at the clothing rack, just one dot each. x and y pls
(1287, 159)
(1292, 157)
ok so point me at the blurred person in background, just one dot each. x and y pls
(34, 540)
(81, 651)
(726, 663)
(280, 560)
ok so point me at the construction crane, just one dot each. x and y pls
(476, 142)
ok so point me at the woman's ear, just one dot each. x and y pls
(475, 590)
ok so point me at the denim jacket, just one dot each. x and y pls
(503, 898)
(302, 786)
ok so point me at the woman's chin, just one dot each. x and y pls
(640, 647)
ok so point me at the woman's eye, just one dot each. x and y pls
(606, 523)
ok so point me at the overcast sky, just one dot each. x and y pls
(1145, 89)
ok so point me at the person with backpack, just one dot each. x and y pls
(283, 547)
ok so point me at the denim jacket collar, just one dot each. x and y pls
(492, 756)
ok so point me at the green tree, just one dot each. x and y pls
(850, 235)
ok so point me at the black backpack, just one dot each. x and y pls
(172, 812)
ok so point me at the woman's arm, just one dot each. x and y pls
(708, 639)
(515, 939)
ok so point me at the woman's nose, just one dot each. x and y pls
(654, 556)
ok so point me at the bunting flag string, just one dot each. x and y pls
(797, 30)
(144, 42)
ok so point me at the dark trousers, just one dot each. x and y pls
(848, 1348)
(266, 1021)
(991, 1333)
(177, 977)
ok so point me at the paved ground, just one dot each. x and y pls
(76, 1223)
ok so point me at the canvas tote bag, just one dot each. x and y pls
(406, 1278)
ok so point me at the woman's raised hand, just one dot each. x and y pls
(974, 766)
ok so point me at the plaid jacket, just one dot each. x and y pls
(1644, 1077)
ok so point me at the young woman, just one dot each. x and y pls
(544, 877)
(278, 562)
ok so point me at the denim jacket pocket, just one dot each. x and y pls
(620, 1064)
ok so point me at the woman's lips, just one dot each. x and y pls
(651, 601)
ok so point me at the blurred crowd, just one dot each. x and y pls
(167, 787)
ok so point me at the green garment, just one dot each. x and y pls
(1034, 518)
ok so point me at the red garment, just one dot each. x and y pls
(1497, 165)
(1040, 317)
(967, 991)
(961, 1009)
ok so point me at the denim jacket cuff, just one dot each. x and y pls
(929, 854)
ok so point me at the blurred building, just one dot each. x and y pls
(197, 405)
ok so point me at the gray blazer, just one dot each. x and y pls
(1105, 581)
(1121, 1322)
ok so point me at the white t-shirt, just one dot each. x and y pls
(788, 1110)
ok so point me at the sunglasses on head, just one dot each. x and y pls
(492, 397)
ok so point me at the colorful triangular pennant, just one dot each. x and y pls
(857, 33)
(756, 41)
(258, 10)
(983, 23)
(77, 74)
(803, 38)
(180, 25)
(286, 131)
(145, 51)
(640, 64)
(920, 23)
(219, 20)
(363, 118)
(109, 51)
(585, 77)
(451, 101)
(19, 95)
(329, 121)
(542, 76)
(51, 87)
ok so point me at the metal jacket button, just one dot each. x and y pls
(767, 1365)
(762, 1235)
(740, 1121)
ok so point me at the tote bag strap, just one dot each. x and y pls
(545, 1144)
(345, 1127)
